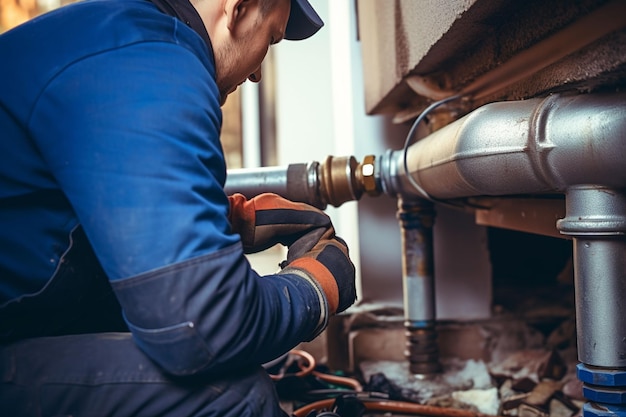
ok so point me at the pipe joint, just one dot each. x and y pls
(368, 177)
(416, 214)
(594, 211)
(338, 180)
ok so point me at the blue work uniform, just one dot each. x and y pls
(112, 206)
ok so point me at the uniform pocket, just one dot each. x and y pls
(165, 345)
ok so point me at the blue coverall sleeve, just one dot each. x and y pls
(138, 156)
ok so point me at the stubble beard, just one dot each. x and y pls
(226, 61)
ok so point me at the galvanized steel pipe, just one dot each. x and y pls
(508, 148)
(334, 181)
(416, 218)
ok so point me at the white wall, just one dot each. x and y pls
(314, 105)
(320, 112)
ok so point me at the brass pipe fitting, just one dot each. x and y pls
(366, 176)
(336, 180)
(338, 183)
(343, 179)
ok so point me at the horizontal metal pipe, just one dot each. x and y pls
(507, 148)
(298, 182)
(333, 181)
(253, 181)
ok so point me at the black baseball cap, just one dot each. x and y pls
(303, 21)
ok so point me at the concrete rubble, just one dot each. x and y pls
(531, 382)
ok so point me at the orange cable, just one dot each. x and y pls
(397, 406)
(304, 371)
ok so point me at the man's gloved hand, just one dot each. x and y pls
(268, 219)
(314, 249)
(327, 261)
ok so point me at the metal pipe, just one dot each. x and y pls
(334, 181)
(299, 182)
(416, 217)
(572, 144)
(596, 219)
(507, 148)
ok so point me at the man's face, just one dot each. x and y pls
(240, 57)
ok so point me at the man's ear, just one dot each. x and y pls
(236, 11)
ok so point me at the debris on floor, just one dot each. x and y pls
(528, 383)
(519, 363)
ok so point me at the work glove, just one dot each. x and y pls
(268, 219)
(327, 261)
(313, 248)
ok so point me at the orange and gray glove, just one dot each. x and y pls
(268, 219)
(326, 261)
(314, 249)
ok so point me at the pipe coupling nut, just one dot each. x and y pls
(368, 175)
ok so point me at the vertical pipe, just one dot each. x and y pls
(416, 218)
(596, 219)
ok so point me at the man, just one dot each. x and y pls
(114, 217)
